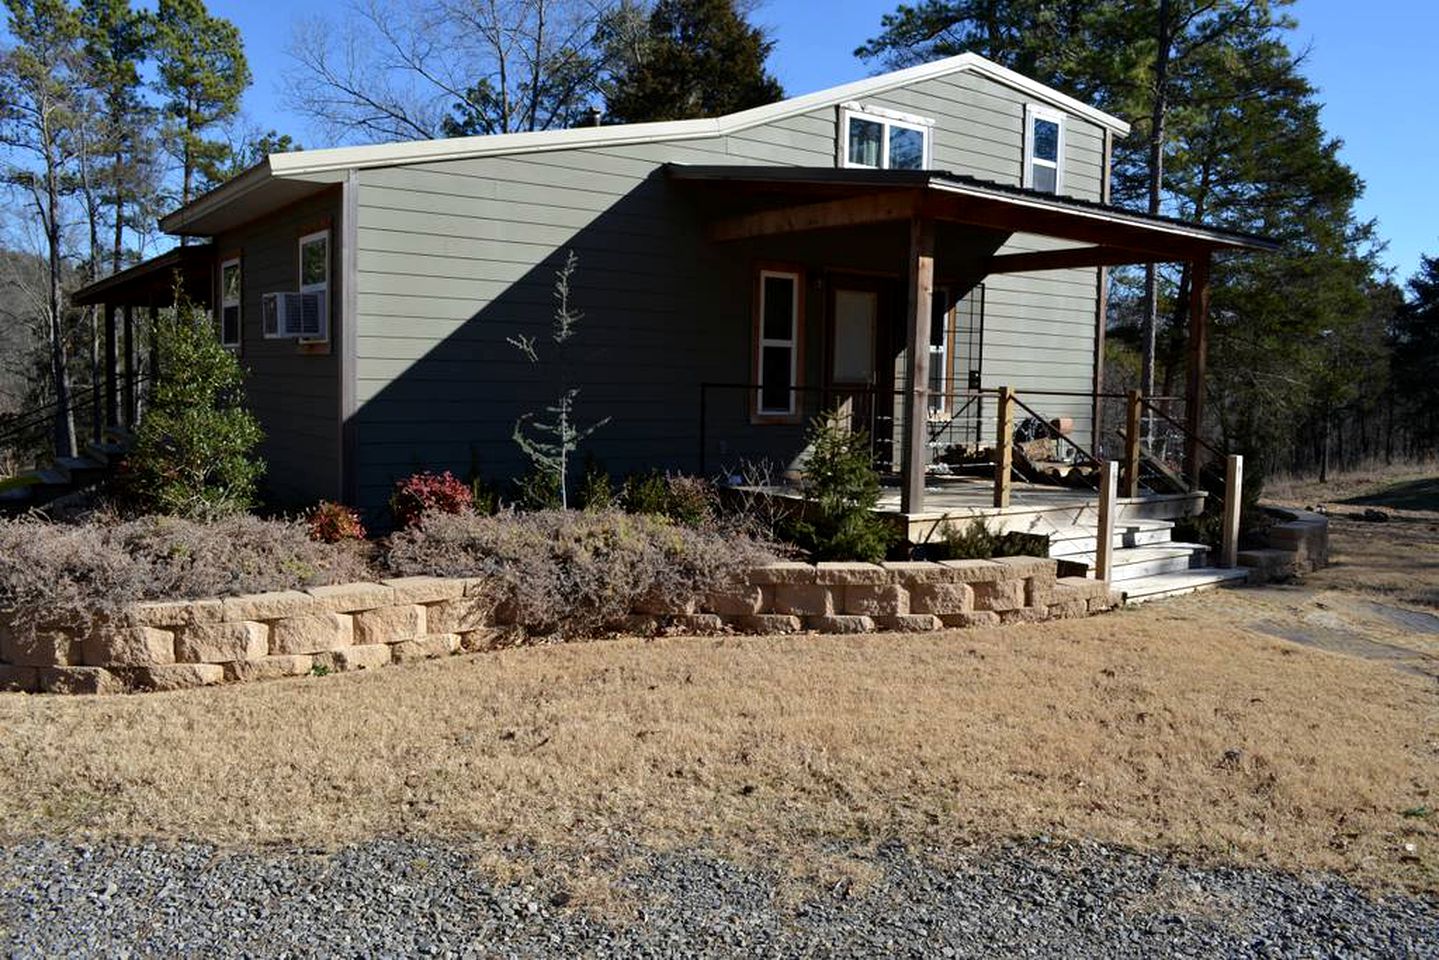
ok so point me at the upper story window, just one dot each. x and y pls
(230, 297)
(883, 139)
(1043, 149)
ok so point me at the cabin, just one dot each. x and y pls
(923, 250)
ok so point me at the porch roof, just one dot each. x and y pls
(793, 199)
(151, 283)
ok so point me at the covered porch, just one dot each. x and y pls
(943, 235)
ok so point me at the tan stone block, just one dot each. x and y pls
(79, 680)
(975, 571)
(368, 657)
(1020, 567)
(844, 574)
(458, 616)
(909, 623)
(1068, 610)
(15, 679)
(1024, 615)
(425, 589)
(43, 646)
(766, 623)
(910, 572)
(999, 595)
(802, 600)
(974, 618)
(390, 624)
(425, 648)
(789, 572)
(173, 613)
(268, 668)
(842, 623)
(886, 600)
(1084, 586)
(1107, 602)
(314, 633)
(176, 676)
(1039, 589)
(352, 597)
(119, 646)
(941, 598)
(222, 642)
(697, 624)
(736, 601)
(268, 606)
(660, 606)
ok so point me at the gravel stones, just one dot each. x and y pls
(397, 898)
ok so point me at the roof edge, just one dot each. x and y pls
(231, 190)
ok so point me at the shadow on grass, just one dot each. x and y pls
(1410, 495)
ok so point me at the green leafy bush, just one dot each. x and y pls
(841, 490)
(975, 541)
(575, 572)
(194, 453)
(676, 496)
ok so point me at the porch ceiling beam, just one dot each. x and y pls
(1066, 259)
(849, 212)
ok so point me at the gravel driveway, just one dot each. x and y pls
(401, 899)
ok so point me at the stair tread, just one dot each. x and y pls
(1165, 584)
(56, 477)
(1157, 551)
(79, 463)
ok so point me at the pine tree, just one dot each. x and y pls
(1416, 354)
(697, 58)
(202, 75)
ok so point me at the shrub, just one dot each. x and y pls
(194, 449)
(597, 491)
(571, 572)
(332, 522)
(683, 499)
(975, 541)
(422, 492)
(841, 490)
(78, 572)
(537, 490)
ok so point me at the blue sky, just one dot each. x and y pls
(1373, 71)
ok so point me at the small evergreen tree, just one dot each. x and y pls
(841, 490)
(194, 452)
(558, 438)
(696, 58)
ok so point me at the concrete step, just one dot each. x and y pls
(106, 452)
(1136, 563)
(1164, 585)
(79, 466)
(1079, 543)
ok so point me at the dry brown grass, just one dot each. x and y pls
(1153, 728)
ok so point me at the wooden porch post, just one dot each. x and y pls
(916, 394)
(1133, 424)
(129, 383)
(112, 387)
(1198, 355)
(1004, 447)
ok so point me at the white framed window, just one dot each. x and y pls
(315, 278)
(940, 386)
(230, 300)
(879, 139)
(777, 319)
(1043, 149)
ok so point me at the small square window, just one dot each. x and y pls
(906, 148)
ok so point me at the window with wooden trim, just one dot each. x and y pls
(231, 298)
(1043, 149)
(315, 279)
(883, 139)
(777, 344)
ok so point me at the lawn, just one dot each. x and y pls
(1184, 726)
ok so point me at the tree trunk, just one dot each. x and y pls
(1150, 321)
(64, 429)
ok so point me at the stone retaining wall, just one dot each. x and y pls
(176, 645)
(1297, 544)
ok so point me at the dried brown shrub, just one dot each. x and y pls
(576, 573)
(75, 572)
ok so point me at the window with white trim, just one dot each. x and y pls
(940, 387)
(1043, 149)
(777, 349)
(230, 299)
(883, 140)
(315, 278)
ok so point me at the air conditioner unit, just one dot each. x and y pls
(288, 315)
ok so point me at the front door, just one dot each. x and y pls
(853, 376)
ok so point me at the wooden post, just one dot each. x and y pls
(916, 394)
(1108, 507)
(1233, 504)
(129, 382)
(112, 387)
(1004, 447)
(1198, 357)
(1133, 424)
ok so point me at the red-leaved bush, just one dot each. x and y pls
(424, 492)
(332, 522)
